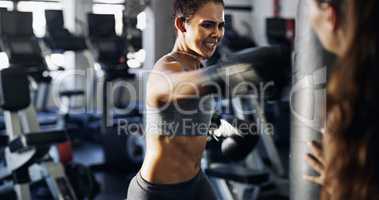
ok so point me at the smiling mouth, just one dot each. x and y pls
(211, 45)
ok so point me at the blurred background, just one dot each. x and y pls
(86, 63)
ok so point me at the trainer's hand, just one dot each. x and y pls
(316, 160)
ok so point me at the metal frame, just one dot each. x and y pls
(25, 122)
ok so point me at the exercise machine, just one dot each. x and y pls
(27, 151)
(110, 52)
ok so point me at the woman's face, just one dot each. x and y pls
(323, 19)
(205, 29)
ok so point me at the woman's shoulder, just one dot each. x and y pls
(168, 63)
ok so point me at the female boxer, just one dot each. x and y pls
(177, 111)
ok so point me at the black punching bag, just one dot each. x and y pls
(307, 102)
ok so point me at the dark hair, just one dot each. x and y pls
(186, 8)
(352, 165)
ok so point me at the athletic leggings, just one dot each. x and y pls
(198, 188)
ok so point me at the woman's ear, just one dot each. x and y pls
(180, 24)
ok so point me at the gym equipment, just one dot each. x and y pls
(134, 35)
(60, 40)
(110, 52)
(126, 146)
(30, 150)
(27, 152)
(280, 30)
(232, 39)
(253, 180)
(82, 180)
(307, 101)
(23, 50)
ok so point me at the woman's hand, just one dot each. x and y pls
(315, 159)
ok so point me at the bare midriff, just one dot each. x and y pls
(171, 160)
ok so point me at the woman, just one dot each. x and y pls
(349, 162)
(177, 113)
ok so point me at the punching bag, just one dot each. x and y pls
(307, 102)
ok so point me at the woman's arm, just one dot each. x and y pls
(167, 83)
